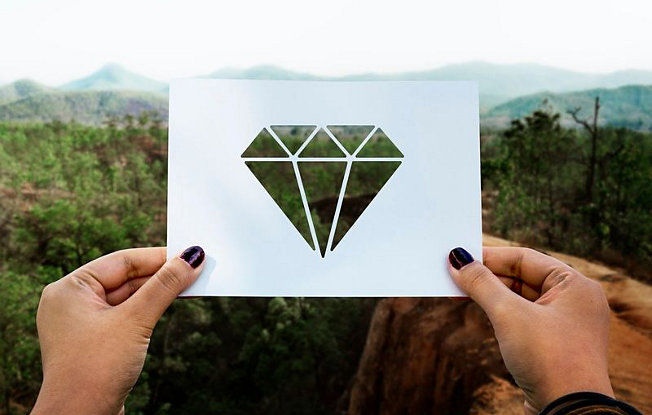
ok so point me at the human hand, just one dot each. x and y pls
(552, 326)
(94, 327)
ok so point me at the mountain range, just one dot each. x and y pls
(627, 106)
(506, 91)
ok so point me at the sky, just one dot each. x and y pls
(58, 40)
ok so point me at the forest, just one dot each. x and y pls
(71, 192)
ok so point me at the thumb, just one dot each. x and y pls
(479, 282)
(155, 296)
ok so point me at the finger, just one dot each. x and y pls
(114, 269)
(517, 286)
(479, 282)
(125, 291)
(527, 264)
(154, 297)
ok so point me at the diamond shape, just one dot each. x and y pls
(323, 179)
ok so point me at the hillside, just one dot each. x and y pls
(627, 106)
(87, 107)
(506, 91)
(113, 77)
(21, 89)
(28, 101)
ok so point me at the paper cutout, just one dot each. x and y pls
(399, 244)
(328, 201)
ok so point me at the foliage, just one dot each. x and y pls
(71, 193)
(88, 107)
(537, 169)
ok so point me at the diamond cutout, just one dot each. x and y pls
(327, 177)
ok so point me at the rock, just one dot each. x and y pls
(497, 397)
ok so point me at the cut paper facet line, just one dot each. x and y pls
(338, 208)
(319, 159)
(335, 185)
(350, 136)
(292, 136)
(306, 207)
(379, 145)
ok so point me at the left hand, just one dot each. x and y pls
(94, 327)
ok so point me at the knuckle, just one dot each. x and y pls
(132, 287)
(528, 252)
(48, 292)
(475, 277)
(171, 278)
(561, 276)
(516, 267)
(128, 264)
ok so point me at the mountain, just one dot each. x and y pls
(506, 91)
(87, 107)
(498, 83)
(628, 106)
(21, 89)
(113, 77)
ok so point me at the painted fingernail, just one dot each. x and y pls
(459, 257)
(193, 256)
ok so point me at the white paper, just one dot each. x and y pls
(398, 246)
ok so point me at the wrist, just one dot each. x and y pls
(600, 386)
(580, 375)
(62, 398)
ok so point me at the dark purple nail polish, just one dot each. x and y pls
(459, 257)
(193, 256)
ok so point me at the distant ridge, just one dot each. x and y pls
(21, 89)
(506, 91)
(86, 107)
(498, 83)
(627, 106)
(112, 77)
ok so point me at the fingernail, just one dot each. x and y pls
(193, 256)
(459, 257)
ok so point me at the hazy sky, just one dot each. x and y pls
(58, 40)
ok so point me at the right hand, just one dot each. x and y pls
(551, 322)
